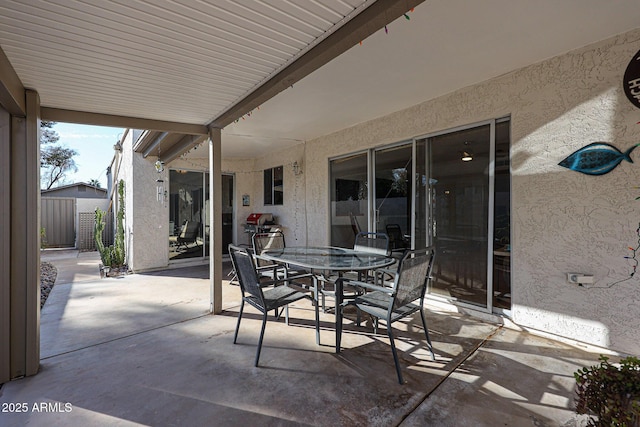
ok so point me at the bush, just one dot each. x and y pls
(611, 392)
(114, 255)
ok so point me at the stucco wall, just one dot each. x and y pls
(248, 173)
(562, 221)
(146, 219)
(291, 215)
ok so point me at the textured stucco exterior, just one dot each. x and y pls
(562, 221)
(146, 219)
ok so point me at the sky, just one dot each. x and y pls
(94, 145)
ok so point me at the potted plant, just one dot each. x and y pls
(610, 392)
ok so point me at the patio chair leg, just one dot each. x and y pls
(264, 323)
(286, 315)
(235, 336)
(395, 355)
(317, 308)
(426, 334)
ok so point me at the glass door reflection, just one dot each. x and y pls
(458, 165)
(393, 194)
(349, 199)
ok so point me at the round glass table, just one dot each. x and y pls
(324, 259)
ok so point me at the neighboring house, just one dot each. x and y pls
(67, 214)
(508, 225)
(79, 190)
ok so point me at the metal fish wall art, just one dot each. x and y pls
(596, 158)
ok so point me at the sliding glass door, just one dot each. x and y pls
(349, 198)
(450, 189)
(189, 206)
(458, 167)
(393, 170)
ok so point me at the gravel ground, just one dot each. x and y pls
(48, 274)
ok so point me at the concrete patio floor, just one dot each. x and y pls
(142, 350)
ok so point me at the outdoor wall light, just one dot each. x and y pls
(296, 169)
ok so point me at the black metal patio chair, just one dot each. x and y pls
(262, 299)
(267, 268)
(376, 243)
(403, 299)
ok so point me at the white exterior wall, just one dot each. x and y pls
(246, 181)
(146, 219)
(562, 221)
(291, 215)
(88, 205)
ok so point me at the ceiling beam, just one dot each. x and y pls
(367, 22)
(97, 119)
(155, 144)
(180, 147)
(12, 92)
(144, 140)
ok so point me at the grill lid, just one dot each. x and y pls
(259, 218)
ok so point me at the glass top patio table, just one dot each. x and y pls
(328, 258)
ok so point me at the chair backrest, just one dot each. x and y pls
(414, 272)
(395, 232)
(377, 243)
(269, 240)
(245, 269)
(190, 230)
(354, 224)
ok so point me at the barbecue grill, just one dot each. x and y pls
(258, 223)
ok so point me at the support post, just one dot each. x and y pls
(24, 255)
(5, 246)
(215, 219)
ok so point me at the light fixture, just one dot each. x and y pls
(467, 154)
(296, 169)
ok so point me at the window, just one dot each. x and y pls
(273, 188)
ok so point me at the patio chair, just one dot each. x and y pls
(267, 268)
(397, 240)
(354, 224)
(188, 234)
(403, 299)
(262, 299)
(377, 243)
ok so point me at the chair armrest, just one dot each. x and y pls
(271, 282)
(366, 285)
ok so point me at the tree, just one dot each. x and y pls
(55, 161)
(47, 134)
(95, 183)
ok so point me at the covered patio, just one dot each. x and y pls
(142, 350)
(301, 89)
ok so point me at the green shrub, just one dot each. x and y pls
(43, 238)
(611, 392)
(114, 255)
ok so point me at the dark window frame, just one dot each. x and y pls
(273, 186)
